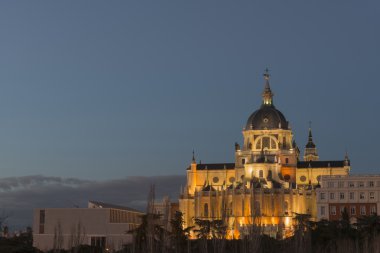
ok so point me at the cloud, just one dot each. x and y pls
(20, 195)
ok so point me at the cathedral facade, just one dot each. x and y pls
(266, 186)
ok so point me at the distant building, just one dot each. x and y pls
(266, 185)
(166, 210)
(100, 224)
(358, 194)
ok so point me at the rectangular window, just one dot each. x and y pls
(373, 209)
(361, 184)
(98, 241)
(352, 195)
(323, 195)
(362, 195)
(332, 195)
(42, 222)
(371, 184)
(351, 184)
(340, 184)
(243, 161)
(362, 210)
(341, 195)
(323, 211)
(333, 210)
(371, 195)
(353, 210)
(330, 184)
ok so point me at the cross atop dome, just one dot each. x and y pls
(267, 94)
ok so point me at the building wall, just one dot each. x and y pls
(270, 208)
(68, 227)
(313, 175)
(359, 194)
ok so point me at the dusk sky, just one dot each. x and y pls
(101, 90)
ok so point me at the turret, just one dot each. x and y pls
(310, 149)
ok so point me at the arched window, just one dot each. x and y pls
(258, 144)
(205, 210)
(266, 142)
(286, 207)
(269, 174)
(261, 173)
(257, 210)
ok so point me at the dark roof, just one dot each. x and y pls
(208, 188)
(321, 164)
(267, 117)
(111, 206)
(216, 166)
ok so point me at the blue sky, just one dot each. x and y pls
(109, 89)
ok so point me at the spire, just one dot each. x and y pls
(267, 93)
(193, 160)
(310, 143)
(346, 160)
(310, 148)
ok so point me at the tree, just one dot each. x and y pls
(143, 231)
(208, 229)
(179, 234)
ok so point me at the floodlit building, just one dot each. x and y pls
(266, 185)
(359, 195)
(100, 224)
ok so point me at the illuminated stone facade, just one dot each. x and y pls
(266, 185)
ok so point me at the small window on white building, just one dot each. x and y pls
(341, 195)
(340, 184)
(371, 195)
(323, 195)
(323, 210)
(352, 195)
(371, 184)
(330, 184)
(332, 195)
(362, 210)
(351, 184)
(361, 184)
(243, 161)
(373, 209)
(353, 210)
(333, 210)
(362, 195)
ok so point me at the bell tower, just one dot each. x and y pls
(310, 148)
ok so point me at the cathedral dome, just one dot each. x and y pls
(267, 117)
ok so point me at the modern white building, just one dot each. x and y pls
(100, 224)
(358, 194)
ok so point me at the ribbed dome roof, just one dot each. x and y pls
(267, 117)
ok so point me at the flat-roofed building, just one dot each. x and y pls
(100, 224)
(358, 194)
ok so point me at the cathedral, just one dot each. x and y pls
(268, 183)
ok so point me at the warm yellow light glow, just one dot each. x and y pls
(287, 221)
